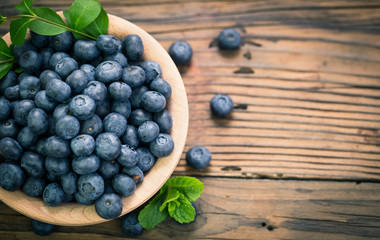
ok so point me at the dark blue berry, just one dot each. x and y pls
(162, 146)
(221, 105)
(198, 157)
(62, 42)
(8, 128)
(136, 95)
(146, 159)
(53, 195)
(82, 145)
(9, 80)
(68, 197)
(77, 80)
(12, 93)
(108, 169)
(139, 116)
(21, 110)
(43, 101)
(153, 101)
(135, 173)
(67, 127)
(23, 75)
(108, 71)
(164, 121)
(30, 61)
(180, 52)
(119, 91)
(40, 147)
(58, 166)
(38, 40)
(86, 50)
(109, 206)
(38, 121)
(5, 109)
(58, 90)
(106, 44)
(33, 164)
(133, 47)
(107, 146)
(96, 90)
(89, 70)
(229, 39)
(130, 225)
(57, 147)
(55, 58)
(29, 87)
(33, 187)
(11, 176)
(69, 183)
(152, 70)
(91, 186)
(117, 57)
(128, 156)
(161, 86)
(130, 137)
(20, 49)
(86, 165)
(46, 54)
(82, 107)
(92, 126)
(65, 67)
(82, 200)
(115, 123)
(60, 111)
(41, 228)
(148, 131)
(134, 76)
(103, 108)
(46, 76)
(123, 185)
(122, 107)
(26, 137)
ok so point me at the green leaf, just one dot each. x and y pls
(17, 30)
(25, 7)
(2, 19)
(171, 195)
(18, 70)
(83, 12)
(189, 186)
(52, 25)
(172, 206)
(99, 26)
(185, 212)
(5, 51)
(151, 215)
(68, 20)
(4, 68)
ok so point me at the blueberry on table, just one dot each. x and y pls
(55, 58)
(136, 95)
(62, 42)
(221, 105)
(30, 61)
(148, 131)
(65, 67)
(130, 225)
(122, 107)
(181, 52)
(38, 40)
(108, 71)
(164, 121)
(152, 70)
(33, 164)
(43, 101)
(109, 206)
(46, 76)
(26, 137)
(106, 44)
(53, 195)
(82, 200)
(96, 90)
(11, 176)
(58, 90)
(161, 86)
(107, 146)
(12, 93)
(115, 123)
(119, 91)
(77, 80)
(8, 128)
(86, 50)
(91, 186)
(33, 186)
(133, 47)
(57, 166)
(123, 185)
(89, 70)
(134, 76)
(67, 127)
(69, 183)
(82, 145)
(82, 107)
(162, 146)
(198, 157)
(29, 87)
(117, 57)
(139, 116)
(108, 169)
(153, 101)
(85, 165)
(38, 121)
(128, 156)
(229, 39)
(41, 228)
(57, 147)
(130, 137)
(135, 173)
(146, 159)
(5, 109)
(9, 80)
(92, 126)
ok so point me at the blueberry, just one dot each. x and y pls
(20, 49)
(106, 44)
(161, 86)
(11, 176)
(33, 187)
(23, 75)
(133, 47)
(29, 87)
(53, 195)
(221, 105)
(128, 156)
(41, 228)
(82, 107)
(103, 108)
(58, 90)
(38, 121)
(119, 91)
(164, 121)
(115, 123)
(67, 127)
(8, 128)
(96, 61)
(136, 96)
(30, 61)
(5, 109)
(60, 111)
(108, 71)
(21, 110)
(26, 137)
(139, 116)
(122, 107)
(148, 131)
(96, 90)
(92, 126)
(43, 101)
(117, 57)
(86, 50)
(123, 185)
(62, 42)
(229, 39)
(91, 186)
(46, 76)
(55, 58)
(9, 80)
(109, 206)
(130, 225)
(82, 200)
(162, 146)
(69, 183)
(68, 197)
(77, 80)
(58, 166)
(133, 76)
(86, 165)
(12, 93)
(33, 164)
(46, 54)
(130, 137)
(108, 169)
(52, 177)
(153, 101)
(66, 66)
(152, 70)
(107, 146)
(180, 52)
(146, 159)
(135, 173)
(198, 157)
(82, 145)
(89, 70)
(38, 40)
(57, 147)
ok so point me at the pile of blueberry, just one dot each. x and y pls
(83, 121)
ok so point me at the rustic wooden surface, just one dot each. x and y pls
(299, 157)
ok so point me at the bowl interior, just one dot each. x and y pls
(75, 214)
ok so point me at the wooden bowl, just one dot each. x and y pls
(75, 214)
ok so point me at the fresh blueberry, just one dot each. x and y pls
(106, 44)
(30, 61)
(123, 185)
(46, 54)
(11, 176)
(108, 169)
(23, 75)
(57, 147)
(117, 57)
(229, 39)
(136, 95)
(161, 86)
(82, 200)
(41, 228)
(38, 40)
(148, 131)
(89, 70)
(109, 206)
(58, 166)
(118, 43)
(58, 90)
(20, 49)
(135, 173)
(12, 93)
(198, 157)
(133, 47)
(221, 105)
(77, 80)
(40, 146)
(62, 42)
(96, 61)
(46, 76)
(67, 127)
(86, 165)
(29, 87)
(122, 107)
(107, 146)
(153, 101)
(146, 159)
(91, 186)
(86, 50)
(115, 123)
(43, 101)
(21, 110)
(26, 137)
(128, 156)
(134, 76)
(82, 107)
(139, 116)
(130, 137)
(119, 91)
(152, 70)
(162, 146)
(9, 80)
(164, 121)
(130, 225)
(103, 108)
(65, 67)
(33, 164)
(108, 71)
(181, 52)
(82, 145)
(8, 128)
(53, 195)
(5, 109)
(68, 197)
(55, 58)
(69, 183)
(92, 126)
(96, 90)
(52, 177)
(38, 121)
(33, 187)
(60, 111)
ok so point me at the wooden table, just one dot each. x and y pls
(300, 156)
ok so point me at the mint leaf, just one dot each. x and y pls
(83, 12)
(99, 26)
(172, 206)
(68, 20)
(25, 7)
(189, 186)
(185, 212)
(52, 24)
(5, 67)
(5, 51)
(171, 195)
(151, 215)
(17, 30)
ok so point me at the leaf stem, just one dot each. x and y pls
(6, 61)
